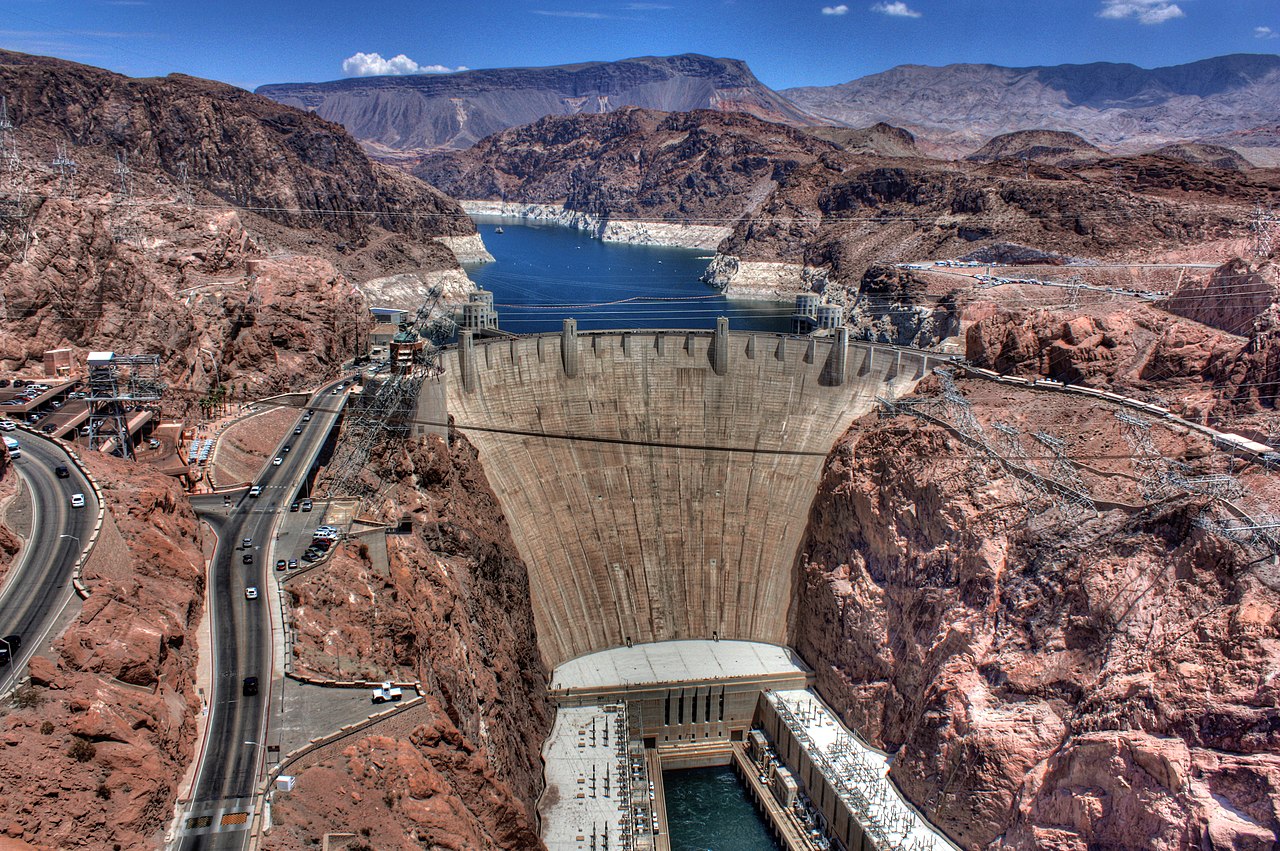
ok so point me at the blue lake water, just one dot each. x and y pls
(708, 810)
(544, 273)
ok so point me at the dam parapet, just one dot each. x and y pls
(657, 483)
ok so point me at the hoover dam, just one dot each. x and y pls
(658, 485)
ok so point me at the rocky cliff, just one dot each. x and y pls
(1046, 677)
(399, 115)
(1119, 106)
(241, 227)
(107, 728)
(468, 777)
(1055, 147)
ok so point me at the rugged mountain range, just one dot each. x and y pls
(1118, 106)
(783, 196)
(395, 116)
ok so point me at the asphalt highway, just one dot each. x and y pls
(220, 811)
(39, 584)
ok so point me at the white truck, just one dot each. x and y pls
(385, 692)
(15, 448)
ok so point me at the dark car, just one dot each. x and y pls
(280, 564)
(12, 641)
(61, 471)
(250, 686)
(293, 506)
(286, 448)
(297, 430)
(248, 558)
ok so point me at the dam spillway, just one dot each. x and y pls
(658, 484)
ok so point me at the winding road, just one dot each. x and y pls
(38, 586)
(222, 808)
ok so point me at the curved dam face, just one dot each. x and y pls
(658, 484)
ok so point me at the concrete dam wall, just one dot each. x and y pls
(677, 510)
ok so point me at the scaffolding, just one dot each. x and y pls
(385, 410)
(118, 386)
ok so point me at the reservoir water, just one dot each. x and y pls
(708, 810)
(544, 273)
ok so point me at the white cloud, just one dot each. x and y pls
(373, 65)
(1265, 32)
(835, 10)
(896, 9)
(1145, 11)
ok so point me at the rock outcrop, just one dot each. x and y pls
(1231, 298)
(245, 232)
(1217, 156)
(1055, 147)
(107, 727)
(631, 164)
(1045, 677)
(466, 772)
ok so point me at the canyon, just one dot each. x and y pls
(1067, 647)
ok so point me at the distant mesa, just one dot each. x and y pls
(1199, 153)
(1051, 147)
(879, 139)
(402, 116)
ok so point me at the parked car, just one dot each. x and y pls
(280, 564)
(306, 505)
(293, 564)
(293, 506)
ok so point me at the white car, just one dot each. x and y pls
(77, 500)
(251, 593)
(7, 425)
(277, 462)
(255, 491)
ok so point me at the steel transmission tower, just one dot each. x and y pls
(120, 385)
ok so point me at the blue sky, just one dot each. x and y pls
(786, 43)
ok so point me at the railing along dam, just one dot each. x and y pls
(657, 484)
